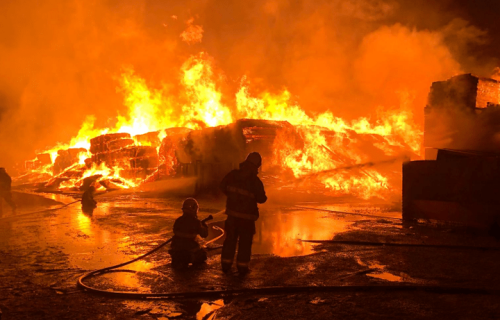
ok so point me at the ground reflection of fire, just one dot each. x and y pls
(279, 233)
(141, 147)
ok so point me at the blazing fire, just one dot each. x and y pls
(143, 145)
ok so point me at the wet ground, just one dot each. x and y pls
(43, 254)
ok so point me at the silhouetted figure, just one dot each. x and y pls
(88, 202)
(243, 190)
(5, 190)
(184, 248)
(495, 229)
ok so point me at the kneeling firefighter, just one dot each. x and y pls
(243, 190)
(184, 248)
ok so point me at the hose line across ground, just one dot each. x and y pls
(292, 289)
(345, 212)
(41, 211)
(392, 244)
(271, 290)
(109, 269)
(46, 210)
(265, 290)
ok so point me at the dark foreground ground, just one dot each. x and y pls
(42, 255)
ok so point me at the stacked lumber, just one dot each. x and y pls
(66, 158)
(42, 159)
(100, 144)
(148, 139)
(120, 150)
(463, 113)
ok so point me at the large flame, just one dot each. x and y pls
(328, 142)
(323, 152)
(205, 106)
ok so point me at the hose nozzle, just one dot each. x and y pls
(210, 217)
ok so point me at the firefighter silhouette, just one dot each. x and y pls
(88, 202)
(244, 190)
(5, 190)
(184, 248)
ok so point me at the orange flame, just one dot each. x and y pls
(193, 33)
(326, 141)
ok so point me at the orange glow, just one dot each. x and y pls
(329, 141)
(205, 106)
(193, 33)
(148, 109)
(326, 142)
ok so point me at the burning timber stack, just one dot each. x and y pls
(460, 179)
(119, 160)
(206, 154)
(210, 153)
(119, 150)
(66, 158)
(42, 159)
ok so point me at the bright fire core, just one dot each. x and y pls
(330, 144)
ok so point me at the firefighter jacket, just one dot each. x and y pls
(243, 190)
(186, 228)
(5, 181)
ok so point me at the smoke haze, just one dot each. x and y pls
(60, 61)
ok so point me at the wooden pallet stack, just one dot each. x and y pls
(120, 150)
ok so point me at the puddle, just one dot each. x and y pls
(363, 212)
(278, 233)
(58, 197)
(156, 310)
(307, 267)
(386, 276)
(121, 281)
(380, 273)
(207, 310)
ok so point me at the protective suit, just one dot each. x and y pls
(184, 248)
(244, 190)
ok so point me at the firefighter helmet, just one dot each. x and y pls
(190, 205)
(254, 158)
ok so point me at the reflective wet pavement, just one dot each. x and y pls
(52, 249)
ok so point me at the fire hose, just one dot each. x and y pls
(41, 211)
(108, 269)
(393, 244)
(269, 290)
(264, 290)
(46, 210)
(349, 213)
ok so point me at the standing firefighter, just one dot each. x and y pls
(184, 248)
(243, 190)
(5, 186)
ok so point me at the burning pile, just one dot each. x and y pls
(164, 138)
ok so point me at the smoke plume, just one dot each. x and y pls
(61, 61)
